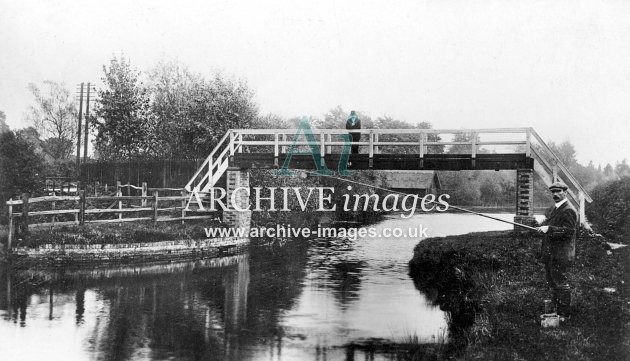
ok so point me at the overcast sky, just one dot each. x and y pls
(562, 67)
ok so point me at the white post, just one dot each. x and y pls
(581, 199)
(528, 149)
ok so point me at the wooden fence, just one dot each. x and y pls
(79, 208)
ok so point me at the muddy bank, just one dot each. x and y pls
(492, 284)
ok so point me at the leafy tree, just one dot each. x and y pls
(4, 127)
(565, 151)
(31, 136)
(20, 167)
(623, 169)
(608, 170)
(462, 148)
(490, 191)
(193, 112)
(55, 117)
(336, 119)
(123, 123)
(610, 210)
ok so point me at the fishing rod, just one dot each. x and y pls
(405, 194)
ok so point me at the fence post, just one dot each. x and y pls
(371, 150)
(473, 150)
(276, 149)
(52, 207)
(581, 200)
(96, 186)
(24, 223)
(329, 140)
(144, 194)
(10, 238)
(155, 207)
(421, 149)
(119, 194)
(183, 205)
(81, 207)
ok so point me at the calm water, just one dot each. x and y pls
(315, 300)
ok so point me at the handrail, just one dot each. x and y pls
(208, 162)
(561, 166)
(383, 131)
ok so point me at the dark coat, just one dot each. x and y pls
(559, 242)
(357, 125)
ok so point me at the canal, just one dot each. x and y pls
(319, 299)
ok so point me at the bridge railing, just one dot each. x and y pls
(415, 140)
(409, 141)
(214, 165)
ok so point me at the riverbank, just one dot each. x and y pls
(493, 286)
(119, 243)
(122, 233)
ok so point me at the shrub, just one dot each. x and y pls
(610, 210)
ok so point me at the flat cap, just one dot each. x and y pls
(558, 185)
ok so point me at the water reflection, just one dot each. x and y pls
(320, 299)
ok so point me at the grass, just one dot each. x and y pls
(493, 285)
(134, 232)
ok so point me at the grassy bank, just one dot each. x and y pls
(493, 286)
(132, 232)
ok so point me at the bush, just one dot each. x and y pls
(610, 210)
(20, 169)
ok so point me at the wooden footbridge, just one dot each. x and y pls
(520, 149)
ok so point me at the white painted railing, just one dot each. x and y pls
(522, 140)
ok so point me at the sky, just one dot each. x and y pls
(561, 67)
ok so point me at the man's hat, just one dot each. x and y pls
(558, 185)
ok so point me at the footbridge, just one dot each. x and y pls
(519, 149)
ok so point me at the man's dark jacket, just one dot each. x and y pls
(559, 241)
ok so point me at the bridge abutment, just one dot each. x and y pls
(238, 217)
(524, 198)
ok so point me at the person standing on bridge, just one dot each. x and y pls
(352, 123)
(558, 246)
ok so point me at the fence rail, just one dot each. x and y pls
(146, 208)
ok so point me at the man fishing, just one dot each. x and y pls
(558, 246)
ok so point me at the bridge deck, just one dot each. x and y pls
(453, 162)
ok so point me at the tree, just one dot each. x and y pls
(610, 210)
(623, 169)
(193, 112)
(55, 117)
(124, 126)
(20, 167)
(220, 104)
(463, 148)
(336, 119)
(565, 151)
(4, 127)
(608, 170)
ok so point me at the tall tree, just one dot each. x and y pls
(54, 115)
(123, 122)
(4, 127)
(193, 112)
(20, 167)
(565, 151)
(463, 148)
(623, 169)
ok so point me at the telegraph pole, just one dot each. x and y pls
(79, 130)
(87, 119)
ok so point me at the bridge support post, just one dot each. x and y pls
(524, 198)
(238, 181)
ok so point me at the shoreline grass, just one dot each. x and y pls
(493, 285)
(123, 233)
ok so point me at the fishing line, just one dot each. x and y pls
(405, 194)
